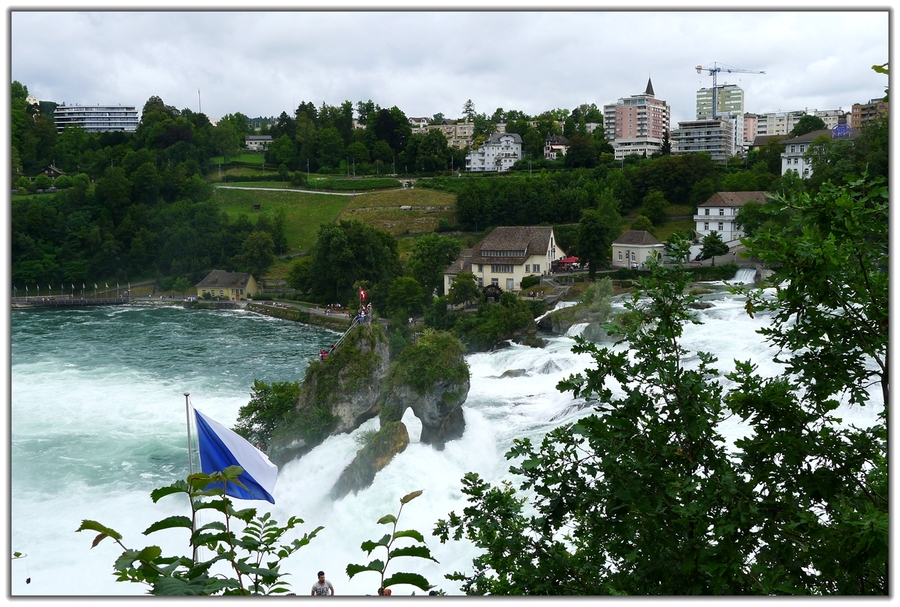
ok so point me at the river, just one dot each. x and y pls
(98, 422)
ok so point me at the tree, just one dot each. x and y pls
(643, 497)
(258, 253)
(226, 140)
(267, 408)
(595, 237)
(181, 285)
(404, 297)
(712, 246)
(807, 124)
(431, 255)
(469, 110)
(464, 289)
(654, 206)
(642, 223)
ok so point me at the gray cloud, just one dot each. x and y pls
(266, 62)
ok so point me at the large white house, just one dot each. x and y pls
(719, 212)
(795, 148)
(499, 153)
(506, 256)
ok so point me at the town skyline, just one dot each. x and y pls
(237, 59)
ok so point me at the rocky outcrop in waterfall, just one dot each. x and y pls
(358, 382)
(592, 310)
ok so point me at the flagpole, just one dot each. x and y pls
(187, 414)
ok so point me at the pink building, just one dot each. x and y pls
(636, 124)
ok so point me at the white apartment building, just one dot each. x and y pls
(719, 212)
(795, 148)
(636, 124)
(783, 122)
(715, 137)
(499, 153)
(97, 118)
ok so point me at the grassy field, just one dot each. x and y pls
(306, 211)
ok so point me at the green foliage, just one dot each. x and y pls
(430, 256)
(530, 281)
(268, 406)
(436, 356)
(464, 289)
(807, 124)
(712, 246)
(253, 555)
(417, 550)
(654, 207)
(258, 253)
(404, 296)
(644, 498)
(494, 322)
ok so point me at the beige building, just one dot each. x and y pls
(506, 256)
(228, 285)
(635, 247)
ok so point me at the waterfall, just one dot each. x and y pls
(745, 276)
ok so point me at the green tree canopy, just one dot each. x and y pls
(431, 255)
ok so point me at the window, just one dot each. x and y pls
(495, 282)
(481, 267)
(620, 255)
(537, 267)
(527, 268)
(501, 268)
(721, 227)
(706, 226)
(721, 211)
(510, 284)
(706, 211)
(480, 281)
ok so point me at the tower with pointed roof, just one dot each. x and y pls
(637, 124)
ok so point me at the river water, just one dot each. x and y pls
(98, 422)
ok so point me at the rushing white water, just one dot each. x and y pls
(98, 422)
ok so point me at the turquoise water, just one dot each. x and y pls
(98, 422)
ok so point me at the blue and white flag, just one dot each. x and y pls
(221, 448)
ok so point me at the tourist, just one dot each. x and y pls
(322, 587)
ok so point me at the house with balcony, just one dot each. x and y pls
(506, 256)
(719, 212)
(235, 286)
(635, 247)
(555, 147)
(499, 152)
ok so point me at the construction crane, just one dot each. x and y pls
(715, 69)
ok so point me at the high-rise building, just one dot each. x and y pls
(97, 118)
(729, 105)
(863, 112)
(715, 137)
(636, 124)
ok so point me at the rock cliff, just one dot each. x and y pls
(358, 382)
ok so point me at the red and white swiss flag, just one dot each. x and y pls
(362, 294)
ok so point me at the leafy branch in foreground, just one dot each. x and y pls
(254, 556)
(387, 542)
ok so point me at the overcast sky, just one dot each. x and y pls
(263, 63)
